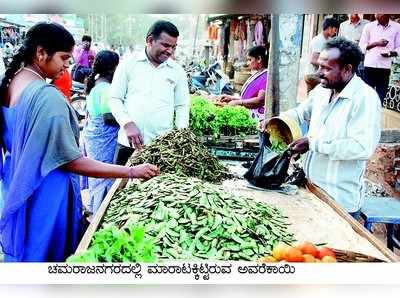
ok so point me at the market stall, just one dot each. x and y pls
(313, 218)
(307, 214)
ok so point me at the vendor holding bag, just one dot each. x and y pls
(344, 116)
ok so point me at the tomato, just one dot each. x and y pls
(267, 259)
(294, 255)
(309, 258)
(328, 259)
(325, 251)
(308, 248)
(279, 251)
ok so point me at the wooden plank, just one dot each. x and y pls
(87, 237)
(357, 227)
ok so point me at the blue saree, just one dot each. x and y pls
(100, 141)
(41, 217)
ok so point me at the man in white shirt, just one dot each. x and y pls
(329, 29)
(343, 114)
(147, 91)
(380, 41)
(352, 28)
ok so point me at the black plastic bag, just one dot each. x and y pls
(297, 177)
(269, 169)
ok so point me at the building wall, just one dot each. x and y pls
(290, 37)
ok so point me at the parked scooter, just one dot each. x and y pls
(78, 101)
(212, 80)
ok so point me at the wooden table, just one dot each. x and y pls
(313, 215)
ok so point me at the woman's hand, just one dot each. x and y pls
(235, 102)
(144, 171)
(226, 98)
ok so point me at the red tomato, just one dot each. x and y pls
(325, 251)
(294, 255)
(308, 248)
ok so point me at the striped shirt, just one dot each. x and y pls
(343, 134)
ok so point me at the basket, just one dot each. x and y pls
(354, 257)
(285, 126)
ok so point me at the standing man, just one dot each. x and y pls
(329, 29)
(380, 41)
(84, 57)
(352, 28)
(147, 91)
(344, 116)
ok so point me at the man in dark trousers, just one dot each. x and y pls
(380, 41)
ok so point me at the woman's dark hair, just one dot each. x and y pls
(350, 52)
(259, 51)
(51, 36)
(86, 38)
(104, 66)
(162, 26)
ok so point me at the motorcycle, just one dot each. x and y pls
(78, 101)
(212, 80)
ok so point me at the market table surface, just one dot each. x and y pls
(313, 216)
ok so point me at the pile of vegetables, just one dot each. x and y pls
(277, 145)
(209, 119)
(304, 252)
(181, 152)
(277, 140)
(189, 219)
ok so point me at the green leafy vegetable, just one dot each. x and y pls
(111, 244)
(208, 119)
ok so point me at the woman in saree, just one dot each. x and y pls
(42, 209)
(253, 90)
(101, 129)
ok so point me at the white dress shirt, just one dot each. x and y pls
(343, 134)
(149, 96)
(352, 31)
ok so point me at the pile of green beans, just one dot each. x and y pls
(192, 219)
(181, 152)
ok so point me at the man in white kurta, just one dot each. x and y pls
(149, 92)
(344, 116)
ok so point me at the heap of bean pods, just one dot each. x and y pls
(192, 219)
(181, 152)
